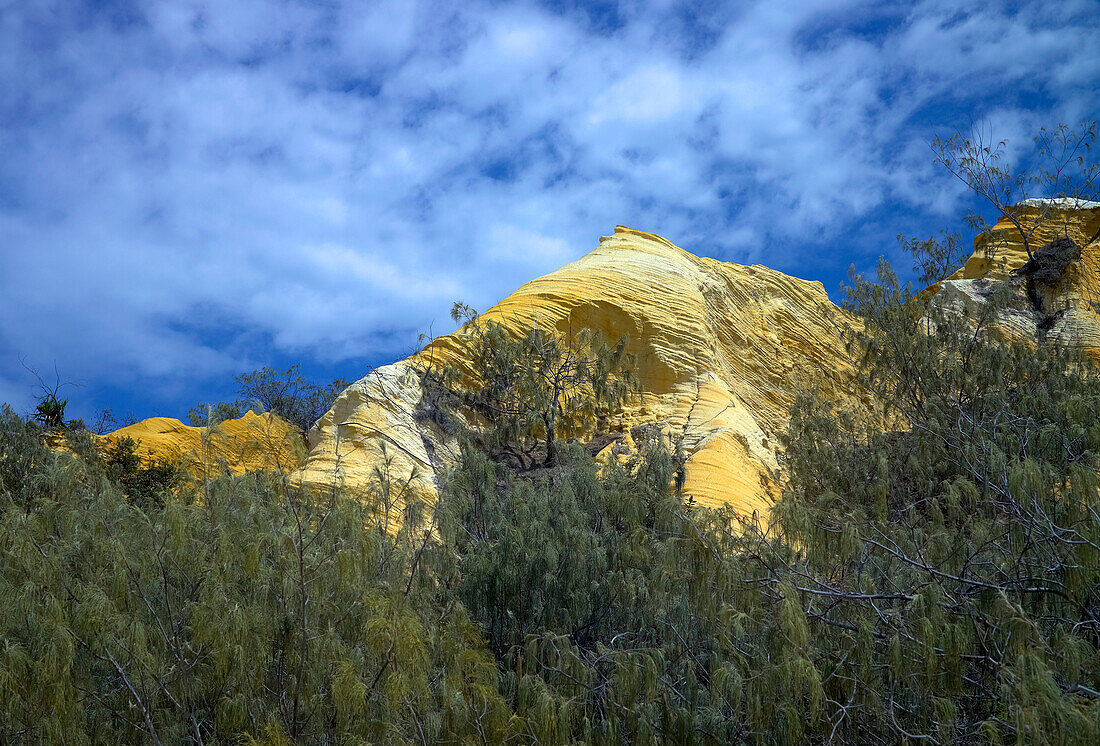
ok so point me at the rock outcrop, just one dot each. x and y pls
(722, 351)
(1060, 305)
(253, 442)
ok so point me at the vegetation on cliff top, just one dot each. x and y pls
(283, 393)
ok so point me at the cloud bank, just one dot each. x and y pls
(192, 189)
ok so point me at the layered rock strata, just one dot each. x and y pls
(1061, 306)
(722, 352)
(253, 442)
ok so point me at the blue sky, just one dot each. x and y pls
(189, 190)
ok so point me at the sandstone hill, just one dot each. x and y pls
(250, 443)
(1062, 307)
(722, 351)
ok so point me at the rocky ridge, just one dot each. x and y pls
(253, 442)
(1062, 307)
(722, 351)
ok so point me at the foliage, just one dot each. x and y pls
(50, 411)
(254, 615)
(949, 571)
(611, 620)
(205, 415)
(542, 386)
(1061, 170)
(288, 395)
(932, 576)
(935, 259)
(139, 481)
(937, 583)
(50, 408)
(22, 457)
(104, 422)
(284, 393)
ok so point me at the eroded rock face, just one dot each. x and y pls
(1047, 305)
(722, 351)
(253, 442)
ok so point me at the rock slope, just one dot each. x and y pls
(253, 442)
(722, 351)
(1066, 311)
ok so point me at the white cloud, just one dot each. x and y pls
(380, 276)
(516, 244)
(234, 180)
(372, 34)
(652, 94)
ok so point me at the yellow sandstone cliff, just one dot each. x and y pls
(1066, 312)
(722, 351)
(253, 442)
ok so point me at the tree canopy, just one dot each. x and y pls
(283, 393)
(536, 388)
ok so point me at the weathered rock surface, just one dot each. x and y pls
(253, 442)
(722, 352)
(1066, 311)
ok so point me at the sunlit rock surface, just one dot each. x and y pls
(251, 443)
(722, 351)
(1066, 312)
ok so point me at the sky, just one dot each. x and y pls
(192, 190)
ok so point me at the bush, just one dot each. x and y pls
(23, 457)
(938, 582)
(145, 484)
(50, 411)
(255, 614)
(949, 570)
(284, 393)
(203, 414)
(542, 386)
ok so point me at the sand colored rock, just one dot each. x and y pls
(722, 351)
(372, 428)
(1067, 312)
(251, 443)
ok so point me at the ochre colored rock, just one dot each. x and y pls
(722, 351)
(1065, 312)
(251, 443)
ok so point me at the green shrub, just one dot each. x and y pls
(283, 393)
(50, 411)
(256, 613)
(145, 484)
